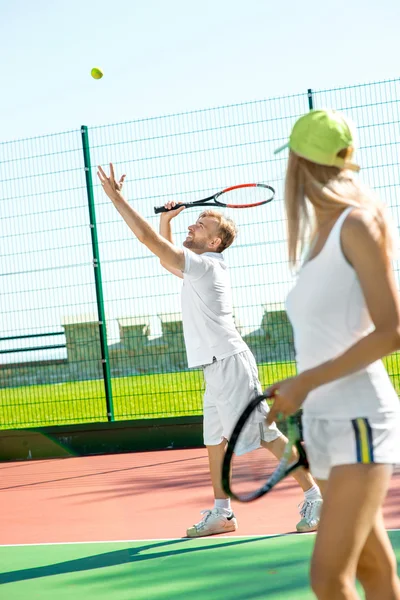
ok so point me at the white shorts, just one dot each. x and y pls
(230, 385)
(330, 443)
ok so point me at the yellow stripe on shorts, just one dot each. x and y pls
(363, 433)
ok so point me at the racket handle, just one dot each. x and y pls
(162, 209)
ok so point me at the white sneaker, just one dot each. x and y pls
(213, 522)
(310, 511)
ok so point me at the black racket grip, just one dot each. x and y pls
(162, 209)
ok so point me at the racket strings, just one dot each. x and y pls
(251, 470)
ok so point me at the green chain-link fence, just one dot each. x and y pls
(90, 323)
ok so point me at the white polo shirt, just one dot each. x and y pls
(207, 311)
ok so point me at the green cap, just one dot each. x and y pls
(319, 136)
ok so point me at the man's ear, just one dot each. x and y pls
(216, 242)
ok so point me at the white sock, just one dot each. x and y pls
(224, 505)
(313, 493)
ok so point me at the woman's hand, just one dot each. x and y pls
(289, 395)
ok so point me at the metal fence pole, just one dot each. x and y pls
(97, 275)
(310, 99)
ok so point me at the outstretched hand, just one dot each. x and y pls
(112, 188)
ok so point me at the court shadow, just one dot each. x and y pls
(110, 472)
(141, 484)
(118, 557)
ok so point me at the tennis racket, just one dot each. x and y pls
(248, 476)
(245, 195)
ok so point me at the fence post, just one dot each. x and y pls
(97, 275)
(310, 99)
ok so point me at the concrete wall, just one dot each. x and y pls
(137, 353)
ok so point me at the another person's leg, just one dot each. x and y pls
(301, 475)
(219, 519)
(215, 460)
(239, 384)
(311, 506)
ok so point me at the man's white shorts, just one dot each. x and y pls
(330, 443)
(230, 385)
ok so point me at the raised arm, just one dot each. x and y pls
(166, 232)
(167, 253)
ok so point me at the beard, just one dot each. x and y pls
(194, 245)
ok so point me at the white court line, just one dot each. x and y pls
(155, 540)
(208, 538)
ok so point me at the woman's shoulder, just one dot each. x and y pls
(360, 234)
(360, 222)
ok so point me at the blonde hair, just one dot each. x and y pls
(310, 186)
(227, 229)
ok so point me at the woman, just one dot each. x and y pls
(345, 313)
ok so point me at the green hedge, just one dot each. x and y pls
(137, 397)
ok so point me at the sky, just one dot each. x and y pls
(164, 58)
(161, 57)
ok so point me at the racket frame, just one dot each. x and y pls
(207, 201)
(282, 470)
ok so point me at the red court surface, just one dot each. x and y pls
(152, 495)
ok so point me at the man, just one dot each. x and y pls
(213, 343)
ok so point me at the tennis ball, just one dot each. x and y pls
(96, 73)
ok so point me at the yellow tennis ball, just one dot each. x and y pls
(96, 73)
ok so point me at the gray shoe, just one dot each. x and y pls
(310, 511)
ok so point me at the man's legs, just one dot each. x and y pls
(221, 518)
(215, 460)
(311, 507)
(230, 384)
(301, 475)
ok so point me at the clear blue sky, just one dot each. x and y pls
(161, 57)
(166, 56)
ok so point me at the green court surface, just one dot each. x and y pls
(247, 568)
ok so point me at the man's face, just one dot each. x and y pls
(203, 236)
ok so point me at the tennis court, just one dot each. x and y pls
(113, 527)
(90, 334)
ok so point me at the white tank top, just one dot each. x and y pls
(328, 313)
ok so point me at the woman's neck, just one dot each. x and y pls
(324, 219)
